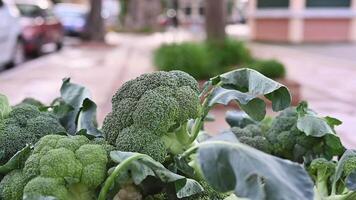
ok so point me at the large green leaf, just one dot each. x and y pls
(251, 173)
(146, 166)
(246, 86)
(340, 165)
(87, 119)
(5, 107)
(313, 125)
(16, 161)
(73, 95)
(77, 113)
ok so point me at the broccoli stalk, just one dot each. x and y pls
(321, 170)
(118, 169)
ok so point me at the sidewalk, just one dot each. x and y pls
(102, 69)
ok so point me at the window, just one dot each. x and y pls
(328, 3)
(201, 11)
(188, 10)
(273, 3)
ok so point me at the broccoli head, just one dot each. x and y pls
(321, 170)
(253, 136)
(65, 167)
(146, 109)
(25, 124)
(291, 143)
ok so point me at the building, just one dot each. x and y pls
(299, 21)
(192, 11)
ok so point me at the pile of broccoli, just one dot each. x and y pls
(150, 114)
(25, 124)
(284, 139)
(331, 178)
(64, 167)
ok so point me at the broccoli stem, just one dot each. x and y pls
(122, 166)
(322, 188)
(198, 124)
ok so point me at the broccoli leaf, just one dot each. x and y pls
(238, 119)
(87, 119)
(314, 126)
(142, 168)
(16, 161)
(246, 86)
(5, 107)
(251, 173)
(38, 197)
(73, 95)
(340, 165)
(77, 113)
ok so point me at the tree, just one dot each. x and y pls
(215, 20)
(142, 14)
(94, 27)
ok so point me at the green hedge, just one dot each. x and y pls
(207, 59)
(270, 68)
(201, 60)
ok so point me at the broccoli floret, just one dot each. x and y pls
(349, 166)
(147, 110)
(252, 135)
(257, 142)
(290, 143)
(12, 185)
(208, 194)
(65, 167)
(321, 171)
(32, 101)
(25, 125)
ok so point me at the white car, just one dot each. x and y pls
(11, 46)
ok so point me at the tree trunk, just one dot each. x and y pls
(94, 27)
(215, 20)
(142, 14)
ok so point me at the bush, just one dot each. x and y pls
(230, 53)
(202, 60)
(270, 68)
(189, 57)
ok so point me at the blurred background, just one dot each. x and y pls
(308, 45)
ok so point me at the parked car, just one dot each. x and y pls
(41, 28)
(11, 43)
(72, 16)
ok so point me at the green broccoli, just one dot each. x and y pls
(208, 194)
(151, 112)
(290, 143)
(331, 177)
(253, 136)
(25, 124)
(65, 167)
(321, 170)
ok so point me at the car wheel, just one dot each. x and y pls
(18, 55)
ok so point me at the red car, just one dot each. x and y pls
(41, 31)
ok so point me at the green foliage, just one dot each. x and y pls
(138, 167)
(149, 107)
(5, 107)
(188, 57)
(283, 137)
(25, 124)
(334, 179)
(250, 173)
(202, 60)
(270, 68)
(65, 167)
